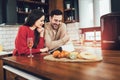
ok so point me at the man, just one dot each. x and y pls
(55, 30)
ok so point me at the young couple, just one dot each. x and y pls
(46, 38)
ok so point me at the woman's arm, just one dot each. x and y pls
(21, 42)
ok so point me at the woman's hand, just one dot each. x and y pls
(44, 49)
(41, 31)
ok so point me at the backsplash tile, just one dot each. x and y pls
(7, 36)
(72, 29)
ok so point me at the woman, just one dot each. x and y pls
(31, 28)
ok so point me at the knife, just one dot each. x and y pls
(58, 48)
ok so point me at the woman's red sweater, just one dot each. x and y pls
(21, 41)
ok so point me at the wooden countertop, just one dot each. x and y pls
(108, 69)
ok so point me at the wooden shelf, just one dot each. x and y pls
(34, 2)
(71, 9)
(22, 12)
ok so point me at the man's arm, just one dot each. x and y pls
(63, 33)
(52, 44)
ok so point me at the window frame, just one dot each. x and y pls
(91, 29)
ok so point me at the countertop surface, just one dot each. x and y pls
(5, 53)
(107, 69)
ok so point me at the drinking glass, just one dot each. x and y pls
(30, 45)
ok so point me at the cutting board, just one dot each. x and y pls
(51, 58)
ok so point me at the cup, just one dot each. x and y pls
(68, 6)
(42, 1)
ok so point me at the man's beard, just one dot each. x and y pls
(55, 26)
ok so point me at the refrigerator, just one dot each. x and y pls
(110, 31)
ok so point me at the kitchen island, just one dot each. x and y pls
(3, 54)
(107, 69)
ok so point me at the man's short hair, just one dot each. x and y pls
(56, 12)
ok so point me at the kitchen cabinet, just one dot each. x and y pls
(11, 73)
(24, 7)
(110, 34)
(3, 54)
(71, 11)
(56, 4)
(12, 76)
(1, 70)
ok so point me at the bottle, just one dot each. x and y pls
(42, 9)
(1, 48)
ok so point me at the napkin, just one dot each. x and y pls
(66, 47)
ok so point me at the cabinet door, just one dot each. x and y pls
(12, 76)
(8, 11)
(56, 4)
(11, 12)
(1, 70)
(0, 11)
(71, 11)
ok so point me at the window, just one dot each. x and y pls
(89, 35)
(98, 35)
(95, 35)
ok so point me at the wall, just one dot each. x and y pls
(115, 5)
(90, 11)
(86, 13)
(7, 36)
